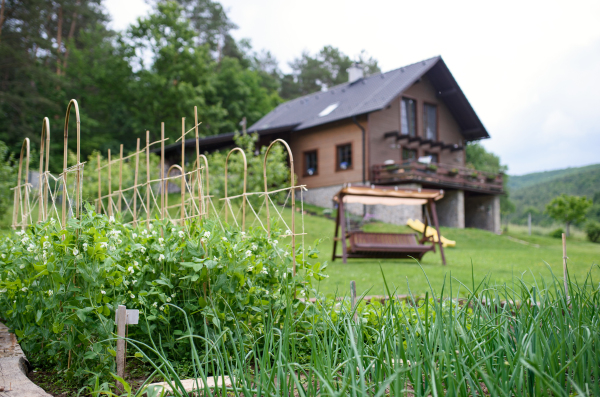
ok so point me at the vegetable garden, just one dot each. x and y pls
(239, 299)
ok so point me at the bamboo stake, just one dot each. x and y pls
(120, 178)
(109, 185)
(147, 179)
(99, 203)
(182, 214)
(135, 181)
(244, 186)
(162, 171)
(121, 324)
(198, 174)
(42, 191)
(565, 272)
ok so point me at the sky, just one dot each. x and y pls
(531, 69)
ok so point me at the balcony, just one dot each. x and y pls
(439, 176)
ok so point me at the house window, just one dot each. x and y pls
(408, 117)
(409, 154)
(310, 163)
(344, 157)
(434, 157)
(430, 121)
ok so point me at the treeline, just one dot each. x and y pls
(179, 56)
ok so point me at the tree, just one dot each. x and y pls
(324, 70)
(480, 159)
(7, 178)
(568, 209)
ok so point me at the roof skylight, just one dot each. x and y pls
(329, 109)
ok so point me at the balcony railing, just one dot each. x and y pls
(442, 175)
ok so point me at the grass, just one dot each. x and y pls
(497, 255)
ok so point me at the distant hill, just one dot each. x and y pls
(539, 188)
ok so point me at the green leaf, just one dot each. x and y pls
(138, 355)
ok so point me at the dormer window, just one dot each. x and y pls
(430, 121)
(408, 117)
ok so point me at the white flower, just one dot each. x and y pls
(161, 258)
(207, 234)
(31, 248)
(181, 234)
(168, 299)
(248, 253)
(46, 244)
(161, 308)
(111, 248)
(203, 240)
(264, 271)
(50, 292)
(75, 251)
(144, 232)
(24, 289)
(133, 235)
(172, 295)
(254, 247)
(20, 232)
(119, 241)
(154, 232)
(275, 242)
(243, 233)
(173, 230)
(103, 245)
(136, 264)
(250, 268)
(155, 304)
(25, 240)
(150, 226)
(153, 271)
(130, 269)
(126, 282)
(132, 296)
(52, 221)
(111, 219)
(161, 240)
(22, 267)
(130, 254)
(133, 282)
(85, 246)
(224, 238)
(103, 292)
(3, 256)
(143, 249)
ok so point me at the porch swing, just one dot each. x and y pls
(361, 244)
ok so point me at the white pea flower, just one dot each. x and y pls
(154, 232)
(119, 241)
(243, 233)
(254, 247)
(31, 248)
(52, 221)
(134, 235)
(161, 308)
(20, 233)
(24, 289)
(275, 242)
(173, 230)
(132, 296)
(136, 264)
(111, 219)
(264, 271)
(181, 234)
(161, 240)
(46, 244)
(104, 245)
(130, 254)
(85, 246)
(168, 299)
(143, 249)
(103, 292)
(22, 267)
(155, 304)
(250, 268)
(126, 282)
(248, 253)
(75, 251)
(112, 248)
(50, 292)
(144, 232)
(203, 240)
(207, 234)
(3, 256)
(224, 238)
(172, 295)
(133, 282)
(150, 226)
(161, 258)
(130, 269)
(153, 271)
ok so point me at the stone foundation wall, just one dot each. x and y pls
(483, 212)
(451, 209)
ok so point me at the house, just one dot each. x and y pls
(406, 127)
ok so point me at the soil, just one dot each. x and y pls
(58, 386)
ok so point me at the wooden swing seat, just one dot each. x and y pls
(386, 245)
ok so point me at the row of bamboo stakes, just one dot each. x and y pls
(197, 190)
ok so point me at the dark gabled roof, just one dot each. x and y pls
(374, 93)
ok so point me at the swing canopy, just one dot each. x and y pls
(360, 244)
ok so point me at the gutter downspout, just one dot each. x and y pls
(364, 151)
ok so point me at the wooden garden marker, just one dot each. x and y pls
(565, 273)
(122, 318)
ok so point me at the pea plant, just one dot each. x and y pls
(60, 288)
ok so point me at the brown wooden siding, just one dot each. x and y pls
(380, 122)
(325, 139)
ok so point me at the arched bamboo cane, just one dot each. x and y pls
(43, 181)
(72, 103)
(203, 197)
(291, 156)
(17, 196)
(244, 191)
(166, 207)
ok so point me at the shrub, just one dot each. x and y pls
(557, 233)
(60, 288)
(592, 229)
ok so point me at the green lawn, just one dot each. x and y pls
(497, 256)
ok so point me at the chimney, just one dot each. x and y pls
(355, 72)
